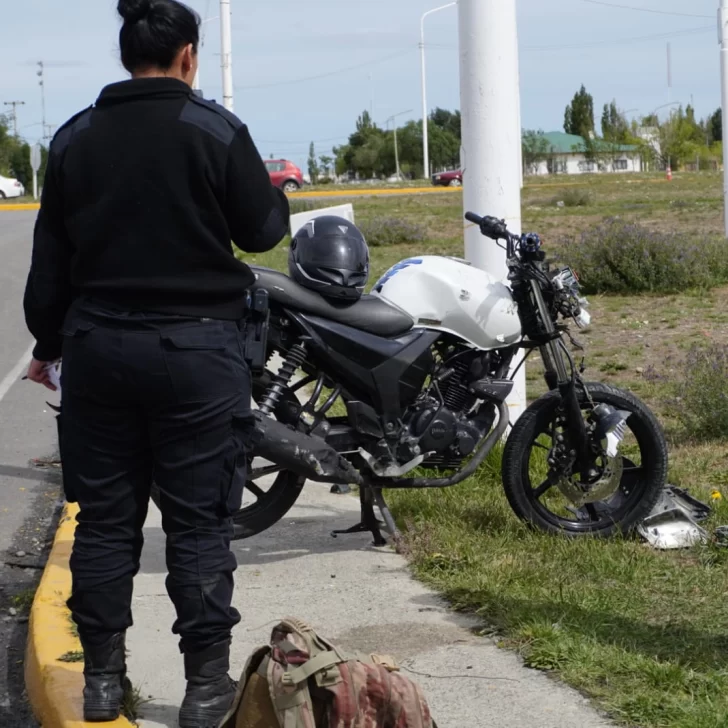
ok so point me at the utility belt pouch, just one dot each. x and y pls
(256, 331)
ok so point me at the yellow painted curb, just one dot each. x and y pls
(22, 206)
(55, 688)
(377, 192)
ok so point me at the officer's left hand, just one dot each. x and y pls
(39, 373)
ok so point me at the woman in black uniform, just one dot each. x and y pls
(135, 286)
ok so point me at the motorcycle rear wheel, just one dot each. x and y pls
(544, 507)
(270, 504)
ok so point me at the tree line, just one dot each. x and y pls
(674, 141)
(370, 151)
(15, 157)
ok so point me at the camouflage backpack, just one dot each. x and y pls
(303, 681)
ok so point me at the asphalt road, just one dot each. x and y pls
(29, 496)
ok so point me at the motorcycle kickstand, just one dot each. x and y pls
(369, 522)
(390, 525)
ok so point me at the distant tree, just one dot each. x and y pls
(715, 126)
(326, 164)
(579, 114)
(614, 126)
(450, 121)
(313, 167)
(536, 149)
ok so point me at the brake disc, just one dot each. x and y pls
(608, 484)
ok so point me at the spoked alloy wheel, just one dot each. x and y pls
(270, 491)
(626, 491)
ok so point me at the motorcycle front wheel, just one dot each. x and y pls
(631, 485)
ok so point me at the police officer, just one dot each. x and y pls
(135, 285)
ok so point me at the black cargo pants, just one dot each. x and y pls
(147, 397)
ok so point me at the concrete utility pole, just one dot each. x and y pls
(491, 151)
(226, 50)
(14, 112)
(425, 110)
(41, 83)
(393, 119)
(723, 40)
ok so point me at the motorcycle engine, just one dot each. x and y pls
(448, 428)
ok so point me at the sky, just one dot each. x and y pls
(305, 69)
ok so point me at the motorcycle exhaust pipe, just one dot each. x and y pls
(302, 454)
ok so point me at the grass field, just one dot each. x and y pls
(644, 633)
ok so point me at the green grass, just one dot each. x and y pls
(132, 704)
(641, 632)
(644, 633)
(23, 601)
(72, 656)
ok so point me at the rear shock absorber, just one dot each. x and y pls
(279, 382)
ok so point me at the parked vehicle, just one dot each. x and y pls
(423, 367)
(448, 179)
(285, 174)
(10, 188)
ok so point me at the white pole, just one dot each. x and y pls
(35, 185)
(226, 51)
(490, 101)
(723, 37)
(425, 129)
(396, 149)
(425, 115)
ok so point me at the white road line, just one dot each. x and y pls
(16, 372)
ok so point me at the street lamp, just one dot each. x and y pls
(425, 130)
(226, 51)
(396, 149)
(202, 45)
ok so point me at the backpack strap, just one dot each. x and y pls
(292, 703)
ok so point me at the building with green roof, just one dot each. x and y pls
(567, 154)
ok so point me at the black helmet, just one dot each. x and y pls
(329, 255)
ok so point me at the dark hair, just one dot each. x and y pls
(154, 31)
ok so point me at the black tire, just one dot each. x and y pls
(639, 488)
(291, 186)
(273, 504)
(2, 195)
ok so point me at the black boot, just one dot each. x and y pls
(210, 691)
(105, 675)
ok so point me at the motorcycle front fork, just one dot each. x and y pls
(557, 376)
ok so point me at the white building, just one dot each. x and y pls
(567, 154)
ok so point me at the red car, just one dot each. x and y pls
(284, 174)
(448, 179)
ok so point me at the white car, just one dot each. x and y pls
(10, 188)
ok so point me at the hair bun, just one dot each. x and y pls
(134, 10)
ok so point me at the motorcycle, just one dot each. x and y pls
(423, 367)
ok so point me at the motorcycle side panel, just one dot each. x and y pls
(386, 373)
(446, 294)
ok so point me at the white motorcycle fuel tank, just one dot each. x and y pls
(450, 295)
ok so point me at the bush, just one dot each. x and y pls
(298, 206)
(392, 231)
(700, 392)
(621, 257)
(576, 198)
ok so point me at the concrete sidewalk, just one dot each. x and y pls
(361, 597)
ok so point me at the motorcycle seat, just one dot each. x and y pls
(370, 313)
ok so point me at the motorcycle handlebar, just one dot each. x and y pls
(491, 227)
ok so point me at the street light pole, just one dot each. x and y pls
(396, 148)
(425, 130)
(723, 38)
(226, 51)
(15, 105)
(490, 101)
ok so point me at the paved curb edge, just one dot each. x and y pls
(55, 688)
